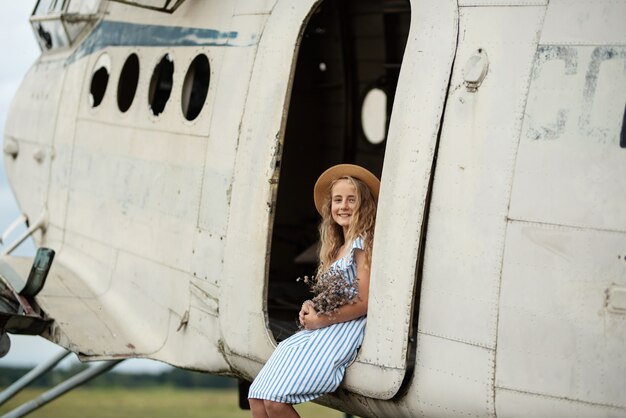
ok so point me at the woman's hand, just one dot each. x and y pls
(315, 321)
(309, 318)
(307, 309)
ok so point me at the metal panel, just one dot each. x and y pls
(251, 197)
(585, 22)
(130, 191)
(563, 262)
(453, 379)
(257, 7)
(405, 185)
(90, 329)
(570, 167)
(230, 90)
(107, 318)
(554, 319)
(473, 3)
(35, 135)
(467, 223)
(64, 135)
(229, 87)
(516, 404)
(467, 219)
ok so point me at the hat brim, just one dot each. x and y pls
(322, 185)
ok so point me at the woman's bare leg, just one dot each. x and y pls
(280, 410)
(257, 407)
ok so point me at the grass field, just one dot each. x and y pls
(153, 403)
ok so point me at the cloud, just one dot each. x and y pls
(17, 37)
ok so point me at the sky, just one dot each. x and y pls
(19, 51)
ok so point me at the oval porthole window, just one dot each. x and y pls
(99, 80)
(195, 87)
(374, 116)
(161, 85)
(127, 86)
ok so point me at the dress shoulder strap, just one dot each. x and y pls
(357, 244)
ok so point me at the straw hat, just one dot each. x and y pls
(322, 185)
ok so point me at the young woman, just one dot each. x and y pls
(312, 362)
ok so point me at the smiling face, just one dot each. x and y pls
(343, 202)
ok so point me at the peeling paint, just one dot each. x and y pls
(111, 33)
(550, 88)
(545, 54)
(599, 56)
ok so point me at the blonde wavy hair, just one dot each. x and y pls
(361, 224)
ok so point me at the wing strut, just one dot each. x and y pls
(62, 388)
(29, 377)
(41, 223)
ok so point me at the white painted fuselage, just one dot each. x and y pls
(498, 282)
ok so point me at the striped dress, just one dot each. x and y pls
(311, 363)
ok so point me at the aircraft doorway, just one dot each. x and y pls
(342, 95)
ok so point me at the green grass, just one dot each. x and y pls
(153, 403)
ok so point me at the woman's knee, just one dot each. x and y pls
(271, 406)
(257, 407)
(255, 402)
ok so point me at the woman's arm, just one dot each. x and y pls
(312, 320)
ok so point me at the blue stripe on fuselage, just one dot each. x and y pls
(110, 33)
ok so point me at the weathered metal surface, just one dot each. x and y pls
(405, 185)
(467, 220)
(587, 22)
(249, 345)
(554, 320)
(162, 225)
(501, 3)
(570, 143)
(563, 259)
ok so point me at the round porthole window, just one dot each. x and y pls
(161, 85)
(127, 86)
(99, 80)
(374, 115)
(195, 87)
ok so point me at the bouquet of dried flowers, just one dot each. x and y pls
(331, 291)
